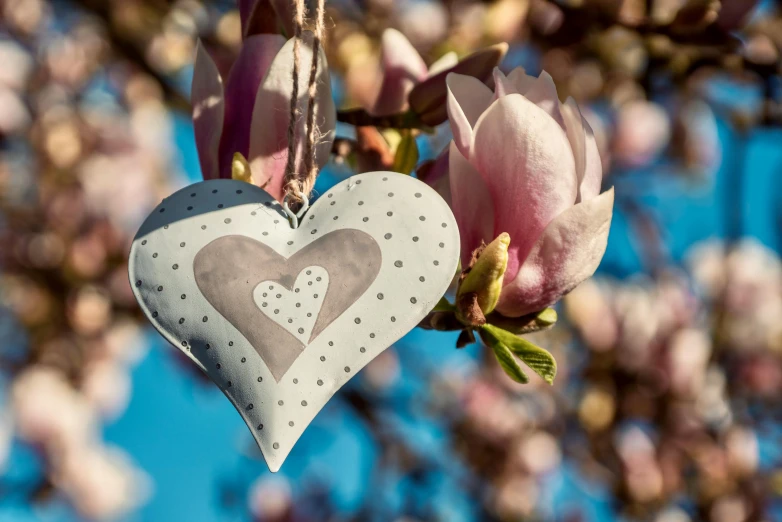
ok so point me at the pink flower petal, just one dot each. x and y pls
(521, 80)
(568, 252)
(269, 133)
(468, 97)
(471, 202)
(208, 106)
(592, 181)
(543, 93)
(244, 80)
(589, 168)
(525, 159)
(403, 68)
(502, 85)
(428, 98)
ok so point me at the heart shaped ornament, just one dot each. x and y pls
(280, 318)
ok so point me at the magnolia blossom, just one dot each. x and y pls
(249, 112)
(408, 83)
(523, 163)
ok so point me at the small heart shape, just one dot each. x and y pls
(385, 247)
(295, 309)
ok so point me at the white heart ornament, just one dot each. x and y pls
(280, 318)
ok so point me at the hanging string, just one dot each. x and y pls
(299, 182)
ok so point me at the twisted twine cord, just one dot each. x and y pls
(299, 182)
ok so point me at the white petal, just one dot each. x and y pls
(468, 97)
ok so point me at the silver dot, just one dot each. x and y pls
(398, 264)
(280, 403)
(175, 267)
(189, 208)
(422, 218)
(144, 242)
(357, 320)
(315, 296)
(295, 381)
(422, 279)
(183, 296)
(390, 194)
(320, 383)
(380, 296)
(314, 231)
(203, 227)
(365, 219)
(154, 255)
(220, 205)
(138, 283)
(301, 330)
(371, 336)
(362, 349)
(250, 406)
(322, 358)
(205, 319)
(290, 243)
(276, 445)
(260, 426)
(442, 245)
(260, 379)
(413, 300)
(393, 319)
(445, 225)
(387, 236)
(182, 244)
(244, 359)
(290, 424)
(347, 369)
(303, 403)
(331, 343)
(290, 320)
(358, 182)
(279, 295)
(418, 194)
(277, 311)
(389, 213)
(436, 263)
(160, 289)
(360, 203)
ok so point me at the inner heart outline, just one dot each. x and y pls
(227, 281)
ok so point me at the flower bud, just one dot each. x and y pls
(240, 169)
(486, 276)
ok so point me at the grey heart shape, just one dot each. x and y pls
(228, 269)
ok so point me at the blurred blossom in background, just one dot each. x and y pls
(666, 404)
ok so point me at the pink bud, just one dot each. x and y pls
(524, 163)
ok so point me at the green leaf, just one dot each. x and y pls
(406, 157)
(538, 359)
(443, 306)
(504, 356)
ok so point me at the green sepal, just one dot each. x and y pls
(537, 358)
